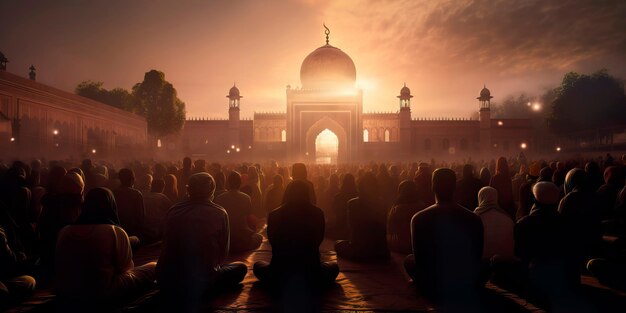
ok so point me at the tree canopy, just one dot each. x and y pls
(154, 98)
(589, 104)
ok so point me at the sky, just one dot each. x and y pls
(445, 51)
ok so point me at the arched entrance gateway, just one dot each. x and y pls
(328, 100)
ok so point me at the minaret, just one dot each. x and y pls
(484, 115)
(233, 117)
(32, 75)
(405, 118)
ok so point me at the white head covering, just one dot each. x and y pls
(487, 200)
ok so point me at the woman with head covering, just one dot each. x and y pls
(339, 224)
(295, 231)
(501, 181)
(399, 218)
(97, 248)
(497, 225)
(366, 224)
(171, 188)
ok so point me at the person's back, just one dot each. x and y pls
(447, 248)
(129, 204)
(274, 194)
(239, 208)
(501, 181)
(195, 244)
(398, 225)
(156, 205)
(93, 259)
(467, 188)
(497, 225)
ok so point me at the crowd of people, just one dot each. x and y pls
(532, 227)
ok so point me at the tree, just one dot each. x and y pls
(588, 107)
(158, 102)
(117, 97)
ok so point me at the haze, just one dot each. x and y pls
(444, 50)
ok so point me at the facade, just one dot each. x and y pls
(329, 102)
(38, 120)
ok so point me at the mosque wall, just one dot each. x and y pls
(46, 120)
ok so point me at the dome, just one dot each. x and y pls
(327, 68)
(485, 92)
(233, 92)
(405, 93)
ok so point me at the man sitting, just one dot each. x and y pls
(447, 249)
(195, 245)
(239, 208)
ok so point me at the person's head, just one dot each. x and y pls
(158, 185)
(368, 186)
(78, 171)
(99, 208)
(187, 163)
(298, 171)
(277, 180)
(55, 176)
(348, 184)
(86, 165)
(297, 192)
(546, 174)
(72, 183)
(502, 166)
(144, 181)
(575, 179)
(201, 186)
(127, 177)
(487, 197)
(546, 193)
(234, 180)
(407, 192)
(468, 171)
(444, 183)
(534, 171)
(614, 175)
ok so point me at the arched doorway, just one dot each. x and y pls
(333, 133)
(326, 147)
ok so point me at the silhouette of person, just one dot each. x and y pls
(195, 244)
(239, 208)
(398, 225)
(295, 230)
(447, 249)
(156, 204)
(367, 224)
(467, 188)
(95, 247)
(130, 204)
(501, 181)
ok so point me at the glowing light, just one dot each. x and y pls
(536, 107)
(56, 145)
(227, 151)
(249, 147)
(232, 146)
(528, 104)
(558, 149)
(55, 132)
(523, 145)
(326, 147)
(500, 123)
(12, 139)
(237, 149)
(93, 151)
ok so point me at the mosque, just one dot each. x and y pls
(324, 122)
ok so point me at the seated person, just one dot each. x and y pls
(399, 219)
(497, 225)
(130, 204)
(295, 230)
(96, 248)
(156, 204)
(447, 249)
(14, 285)
(367, 223)
(239, 208)
(195, 244)
(546, 248)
